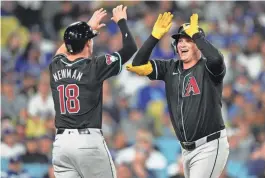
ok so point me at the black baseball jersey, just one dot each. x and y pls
(77, 89)
(194, 97)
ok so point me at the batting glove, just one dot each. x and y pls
(162, 25)
(193, 27)
(142, 70)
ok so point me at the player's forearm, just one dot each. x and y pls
(145, 51)
(129, 45)
(215, 61)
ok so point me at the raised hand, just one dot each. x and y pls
(95, 20)
(162, 25)
(193, 27)
(119, 13)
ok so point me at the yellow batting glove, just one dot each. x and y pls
(142, 70)
(162, 25)
(193, 27)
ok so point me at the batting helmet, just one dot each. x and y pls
(181, 32)
(76, 36)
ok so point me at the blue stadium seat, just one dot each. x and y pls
(36, 170)
(236, 169)
(4, 164)
(169, 147)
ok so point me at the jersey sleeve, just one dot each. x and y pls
(160, 69)
(108, 65)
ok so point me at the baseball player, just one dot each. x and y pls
(193, 90)
(76, 82)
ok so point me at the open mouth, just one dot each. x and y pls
(184, 51)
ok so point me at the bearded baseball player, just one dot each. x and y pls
(194, 90)
(79, 149)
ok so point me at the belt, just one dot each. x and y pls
(80, 131)
(192, 145)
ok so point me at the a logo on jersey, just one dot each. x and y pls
(190, 86)
(110, 59)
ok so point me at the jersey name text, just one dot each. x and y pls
(67, 73)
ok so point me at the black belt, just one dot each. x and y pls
(80, 131)
(192, 145)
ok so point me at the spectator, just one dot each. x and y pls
(45, 146)
(236, 110)
(10, 146)
(251, 59)
(30, 62)
(242, 83)
(163, 50)
(124, 171)
(153, 92)
(46, 46)
(142, 28)
(13, 101)
(167, 129)
(135, 122)
(261, 77)
(15, 169)
(21, 132)
(7, 8)
(101, 43)
(257, 162)
(11, 52)
(65, 16)
(109, 102)
(32, 154)
(108, 125)
(35, 127)
(28, 86)
(50, 173)
(142, 156)
(49, 126)
(123, 105)
(216, 36)
(213, 11)
(130, 83)
(25, 10)
(119, 142)
(177, 170)
(41, 104)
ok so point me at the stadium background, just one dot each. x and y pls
(135, 109)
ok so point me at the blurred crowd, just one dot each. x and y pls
(136, 122)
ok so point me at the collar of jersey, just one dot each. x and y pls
(66, 61)
(180, 66)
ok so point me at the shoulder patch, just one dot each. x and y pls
(110, 59)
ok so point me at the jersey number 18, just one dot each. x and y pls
(71, 93)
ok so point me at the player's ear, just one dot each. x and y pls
(89, 43)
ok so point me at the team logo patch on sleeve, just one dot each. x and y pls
(110, 59)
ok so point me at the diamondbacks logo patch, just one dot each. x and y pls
(190, 86)
(110, 59)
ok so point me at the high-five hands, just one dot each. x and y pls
(95, 21)
(119, 13)
(162, 25)
(193, 27)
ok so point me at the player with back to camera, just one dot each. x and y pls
(194, 86)
(76, 79)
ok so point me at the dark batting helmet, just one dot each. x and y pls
(76, 36)
(181, 32)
